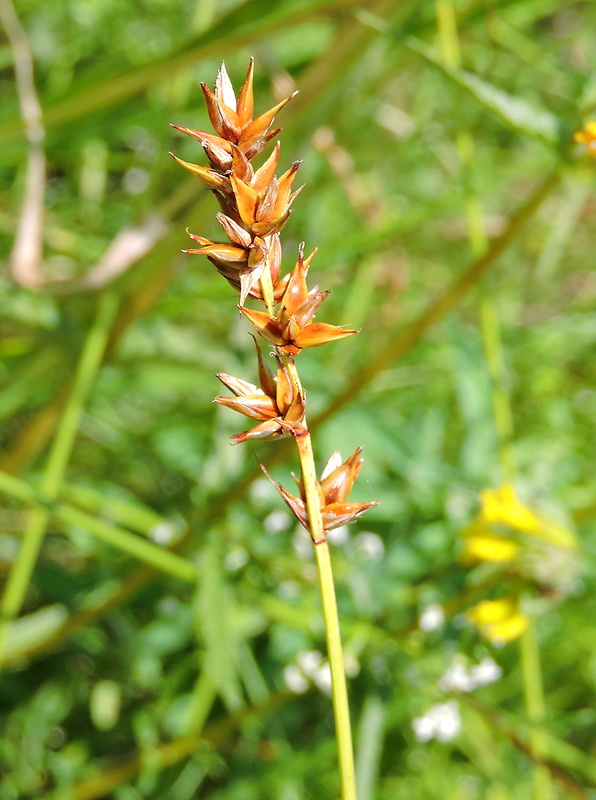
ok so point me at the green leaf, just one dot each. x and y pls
(214, 621)
(105, 701)
(129, 543)
(371, 734)
(28, 631)
(515, 112)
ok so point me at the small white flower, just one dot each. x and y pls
(277, 521)
(424, 729)
(339, 536)
(370, 546)
(448, 721)
(309, 662)
(432, 618)
(310, 666)
(442, 722)
(295, 679)
(456, 677)
(488, 671)
(459, 678)
(322, 678)
(163, 533)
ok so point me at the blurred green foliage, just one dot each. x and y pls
(126, 677)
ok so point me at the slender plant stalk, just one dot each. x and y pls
(535, 709)
(89, 363)
(343, 729)
(26, 255)
(341, 709)
(488, 312)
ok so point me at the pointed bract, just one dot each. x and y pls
(237, 385)
(269, 429)
(245, 104)
(224, 89)
(261, 124)
(320, 333)
(254, 205)
(232, 118)
(209, 177)
(277, 404)
(237, 234)
(265, 174)
(291, 330)
(255, 406)
(336, 483)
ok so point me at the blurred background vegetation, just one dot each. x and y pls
(168, 635)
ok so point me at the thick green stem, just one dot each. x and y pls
(89, 362)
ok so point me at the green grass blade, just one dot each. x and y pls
(239, 28)
(515, 112)
(86, 371)
(369, 746)
(121, 539)
(213, 616)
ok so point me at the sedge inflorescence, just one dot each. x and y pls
(255, 204)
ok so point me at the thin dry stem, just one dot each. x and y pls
(25, 258)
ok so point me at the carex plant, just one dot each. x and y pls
(255, 204)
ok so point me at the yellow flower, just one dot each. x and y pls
(499, 621)
(497, 533)
(487, 548)
(513, 543)
(502, 507)
(587, 137)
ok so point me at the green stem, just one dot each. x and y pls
(495, 362)
(489, 317)
(535, 709)
(503, 417)
(341, 709)
(267, 289)
(89, 362)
